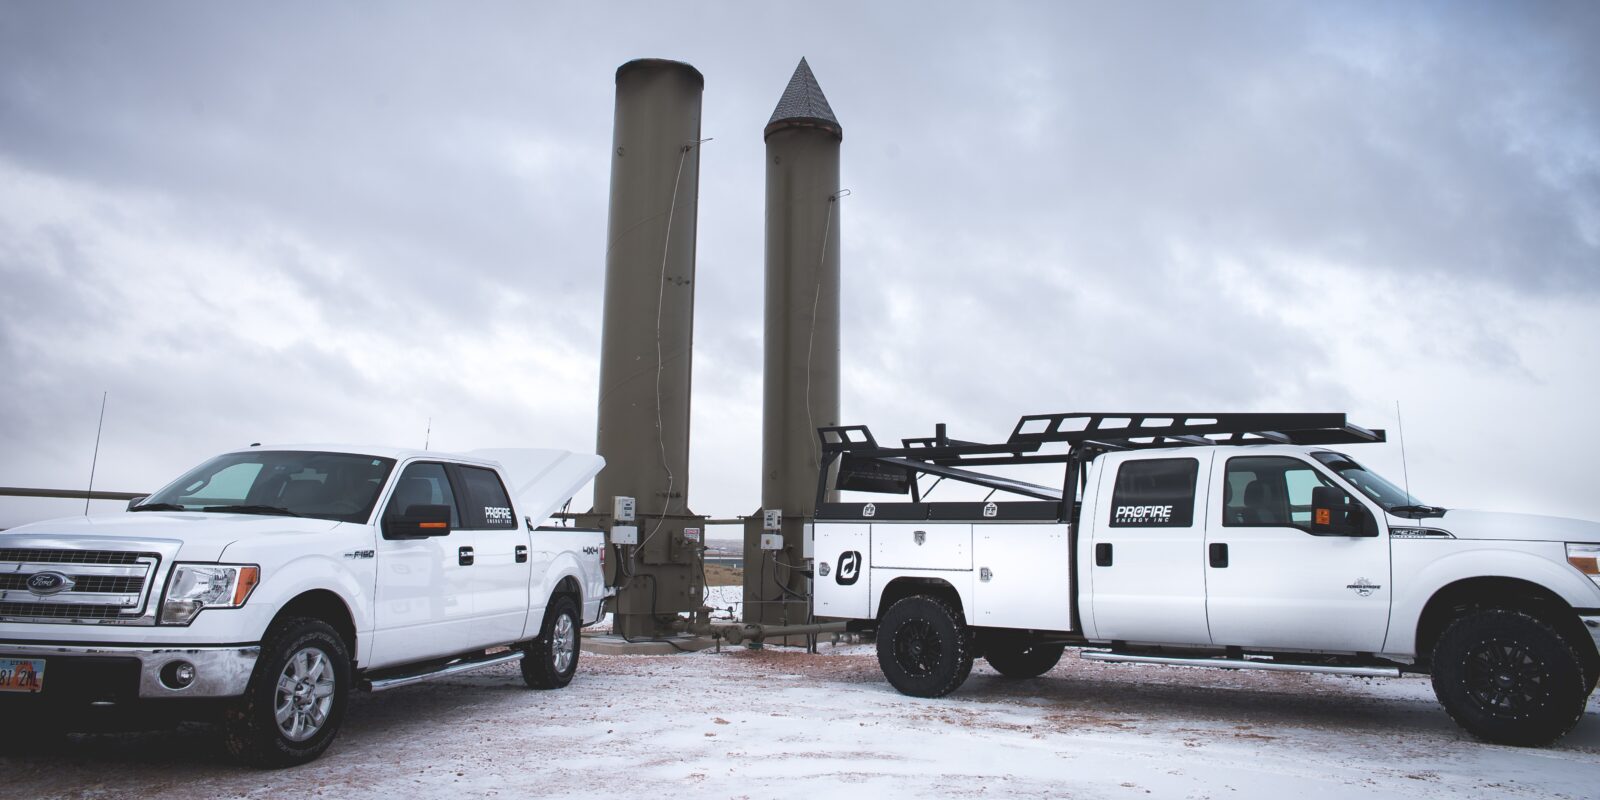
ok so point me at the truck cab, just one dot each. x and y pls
(1244, 541)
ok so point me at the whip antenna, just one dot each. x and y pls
(94, 462)
(1405, 472)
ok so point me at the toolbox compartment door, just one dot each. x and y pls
(843, 583)
(1024, 578)
(922, 545)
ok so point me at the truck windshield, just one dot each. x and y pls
(291, 483)
(1393, 499)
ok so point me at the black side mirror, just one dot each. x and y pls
(418, 522)
(1335, 513)
(133, 501)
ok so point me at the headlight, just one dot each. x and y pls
(196, 586)
(1586, 557)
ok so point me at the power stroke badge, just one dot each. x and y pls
(1364, 587)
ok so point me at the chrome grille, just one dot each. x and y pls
(71, 556)
(104, 584)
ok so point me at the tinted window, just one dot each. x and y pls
(1157, 493)
(423, 485)
(1270, 491)
(486, 503)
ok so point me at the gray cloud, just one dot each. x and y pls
(336, 221)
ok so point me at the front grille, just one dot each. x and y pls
(109, 584)
(106, 584)
(59, 611)
(72, 556)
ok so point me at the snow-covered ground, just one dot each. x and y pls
(782, 723)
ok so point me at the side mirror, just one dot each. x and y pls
(418, 522)
(1335, 513)
(133, 501)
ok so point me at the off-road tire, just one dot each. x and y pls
(924, 647)
(552, 659)
(1022, 659)
(251, 728)
(1508, 677)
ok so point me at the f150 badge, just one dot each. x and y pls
(1364, 587)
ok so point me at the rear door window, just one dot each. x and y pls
(487, 506)
(1154, 493)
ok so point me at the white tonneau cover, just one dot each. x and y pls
(542, 480)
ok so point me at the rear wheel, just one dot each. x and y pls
(1508, 677)
(924, 647)
(1022, 659)
(552, 659)
(295, 701)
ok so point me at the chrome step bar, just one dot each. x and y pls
(1239, 663)
(452, 668)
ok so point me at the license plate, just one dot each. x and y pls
(21, 674)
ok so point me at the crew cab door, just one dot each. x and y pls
(1270, 582)
(424, 594)
(1148, 544)
(501, 556)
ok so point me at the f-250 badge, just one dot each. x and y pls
(1364, 587)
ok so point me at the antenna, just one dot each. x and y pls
(95, 462)
(1405, 472)
(428, 437)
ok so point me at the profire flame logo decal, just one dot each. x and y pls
(849, 568)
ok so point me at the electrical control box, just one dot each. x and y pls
(808, 541)
(625, 534)
(771, 541)
(771, 519)
(622, 509)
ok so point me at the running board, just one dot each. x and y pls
(1236, 663)
(451, 668)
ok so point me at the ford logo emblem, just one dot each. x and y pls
(47, 583)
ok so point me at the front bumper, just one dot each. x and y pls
(218, 671)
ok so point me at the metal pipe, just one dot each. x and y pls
(735, 634)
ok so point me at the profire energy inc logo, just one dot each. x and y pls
(1143, 515)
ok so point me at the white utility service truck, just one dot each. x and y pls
(1244, 541)
(265, 584)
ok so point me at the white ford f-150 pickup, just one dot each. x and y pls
(265, 584)
(1244, 541)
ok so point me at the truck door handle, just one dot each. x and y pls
(522, 554)
(464, 557)
(1102, 554)
(1219, 555)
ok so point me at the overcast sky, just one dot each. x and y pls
(298, 222)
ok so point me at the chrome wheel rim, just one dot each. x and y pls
(304, 698)
(563, 643)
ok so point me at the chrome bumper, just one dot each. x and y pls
(218, 671)
(1593, 624)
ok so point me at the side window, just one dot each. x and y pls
(423, 484)
(487, 505)
(1157, 493)
(1269, 491)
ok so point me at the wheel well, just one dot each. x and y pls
(1471, 594)
(901, 588)
(569, 586)
(326, 606)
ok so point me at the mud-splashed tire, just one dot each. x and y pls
(1022, 659)
(924, 647)
(1508, 677)
(552, 659)
(295, 702)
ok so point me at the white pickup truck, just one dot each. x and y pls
(265, 584)
(1242, 541)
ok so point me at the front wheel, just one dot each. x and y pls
(1508, 677)
(552, 659)
(295, 700)
(1022, 659)
(924, 647)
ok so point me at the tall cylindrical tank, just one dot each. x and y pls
(648, 327)
(801, 389)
